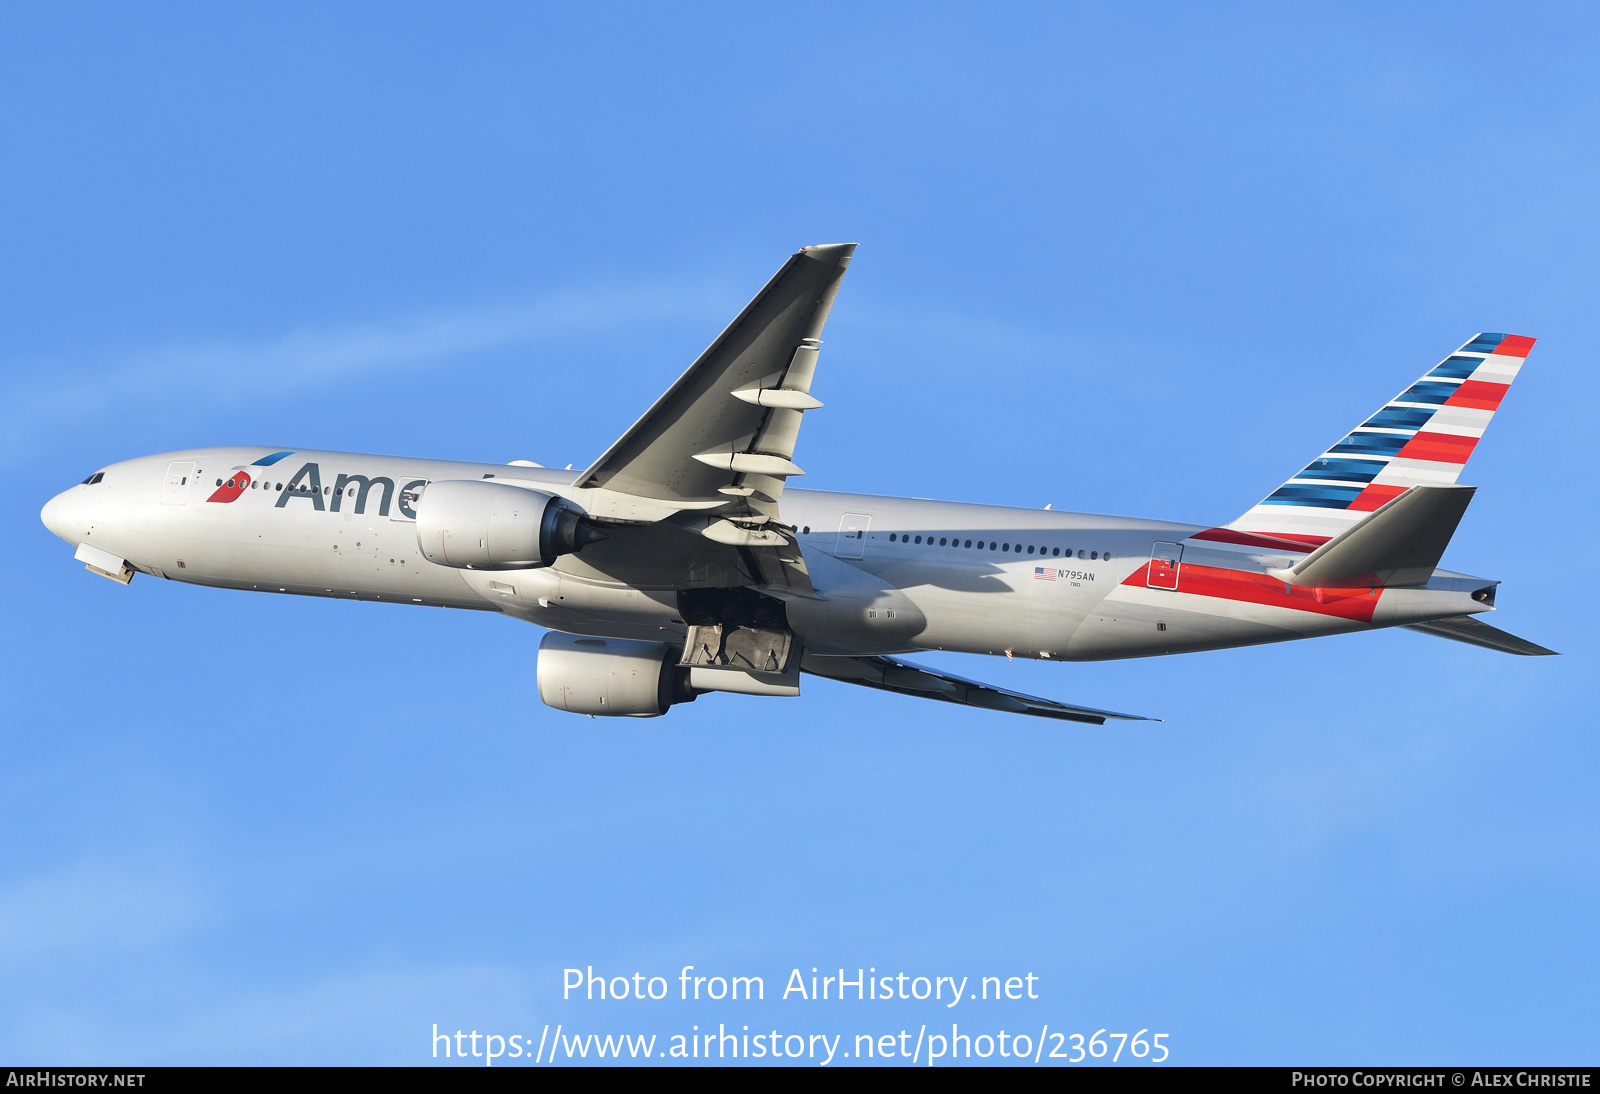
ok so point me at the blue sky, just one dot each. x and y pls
(1134, 260)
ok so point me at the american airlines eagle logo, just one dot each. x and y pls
(238, 479)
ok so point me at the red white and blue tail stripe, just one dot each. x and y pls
(1423, 435)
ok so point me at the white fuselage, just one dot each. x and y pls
(891, 574)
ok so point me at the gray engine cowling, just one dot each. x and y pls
(610, 677)
(475, 525)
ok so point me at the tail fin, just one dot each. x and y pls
(1423, 436)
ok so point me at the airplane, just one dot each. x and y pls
(680, 562)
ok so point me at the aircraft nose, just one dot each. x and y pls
(59, 515)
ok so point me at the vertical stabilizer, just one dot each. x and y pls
(1421, 437)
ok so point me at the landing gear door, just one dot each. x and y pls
(1165, 558)
(175, 491)
(852, 535)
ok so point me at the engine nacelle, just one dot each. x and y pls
(474, 525)
(610, 677)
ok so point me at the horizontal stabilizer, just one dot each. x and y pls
(1474, 633)
(1400, 544)
(904, 678)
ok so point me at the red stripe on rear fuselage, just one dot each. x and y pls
(1254, 588)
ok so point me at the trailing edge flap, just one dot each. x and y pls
(890, 674)
(676, 553)
(725, 432)
(1399, 544)
(1471, 631)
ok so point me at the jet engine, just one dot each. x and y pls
(610, 676)
(475, 525)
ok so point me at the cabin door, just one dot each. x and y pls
(1165, 558)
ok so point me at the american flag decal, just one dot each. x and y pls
(1044, 573)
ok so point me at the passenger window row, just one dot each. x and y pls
(297, 490)
(1017, 548)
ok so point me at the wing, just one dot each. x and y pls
(712, 455)
(890, 674)
(726, 431)
(1475, 633)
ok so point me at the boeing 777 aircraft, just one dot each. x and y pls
(681, 563)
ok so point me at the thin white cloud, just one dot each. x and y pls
(89, 908)
(222, 373)
(364, 1015)
(377, 1015)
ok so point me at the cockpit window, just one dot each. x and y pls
(92, 479)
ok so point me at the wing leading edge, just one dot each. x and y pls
(726, 430)
(712, 455)
(905, 678)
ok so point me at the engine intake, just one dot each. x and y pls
(474, 525)
(610, 677)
